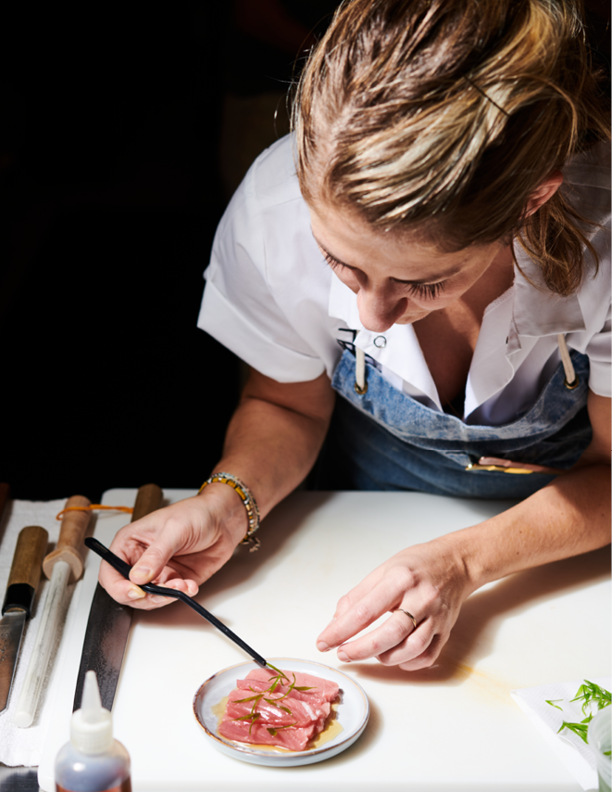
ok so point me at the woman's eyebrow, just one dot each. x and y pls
(420, 282)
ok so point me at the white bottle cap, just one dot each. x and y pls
(91, 729)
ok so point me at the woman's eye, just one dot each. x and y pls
(426, 291)
(429, 291)
(333, 263)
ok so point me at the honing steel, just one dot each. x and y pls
(108, 626)
(62, 566)
(20, 590)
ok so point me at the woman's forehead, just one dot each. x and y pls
(353, 242)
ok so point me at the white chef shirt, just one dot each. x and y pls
(272, 299)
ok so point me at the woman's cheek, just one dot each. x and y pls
(348, 279)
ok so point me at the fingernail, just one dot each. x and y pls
(140, 572)
(136, 593)
(159, 600)
(343, 657)
(322, 646)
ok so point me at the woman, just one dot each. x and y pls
(439, 260)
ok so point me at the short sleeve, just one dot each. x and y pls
(259, 301)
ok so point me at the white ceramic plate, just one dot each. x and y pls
(353, 713)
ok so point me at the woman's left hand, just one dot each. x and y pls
(429, 581)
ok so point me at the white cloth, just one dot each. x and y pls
(22, 747)
(271, 298)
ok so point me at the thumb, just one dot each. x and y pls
(152, 562)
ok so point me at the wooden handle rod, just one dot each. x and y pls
(148, 499)
(31, 545)
(69, 546)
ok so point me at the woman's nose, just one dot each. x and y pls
(378, 311)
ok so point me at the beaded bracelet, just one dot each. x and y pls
(250, 504)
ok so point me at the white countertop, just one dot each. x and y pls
(450, 728)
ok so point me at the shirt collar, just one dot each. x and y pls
(400, 351)
(537, 311)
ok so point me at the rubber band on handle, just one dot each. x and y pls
(96, 506)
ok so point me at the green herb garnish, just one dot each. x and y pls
(591, 695)
(275, 681)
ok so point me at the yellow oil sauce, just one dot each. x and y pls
(332, 729)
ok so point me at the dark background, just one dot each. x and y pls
(123, 130)
(111, 118)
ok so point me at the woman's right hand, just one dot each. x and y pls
(272, 442)
(179, 546)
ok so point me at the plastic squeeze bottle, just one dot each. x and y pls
(92, 761)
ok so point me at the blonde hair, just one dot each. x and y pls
(442, 117)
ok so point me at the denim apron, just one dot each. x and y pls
(392, 442)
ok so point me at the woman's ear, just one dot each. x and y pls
(544, 192)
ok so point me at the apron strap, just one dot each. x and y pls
(361, 386)
(571, 380)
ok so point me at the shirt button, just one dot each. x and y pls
(380, 342)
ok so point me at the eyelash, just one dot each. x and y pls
(428, 291)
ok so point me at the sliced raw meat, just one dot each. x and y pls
(274, 710)
(292, 739)
(324, 688)
(282, 717)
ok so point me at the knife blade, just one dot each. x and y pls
(20, 590)
(109, 622)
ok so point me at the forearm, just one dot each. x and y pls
(272, 446)
(566, 518)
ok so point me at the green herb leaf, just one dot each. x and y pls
(578, 728)
(591, 695)
(274, 683)
(552, 703)
(278, 671)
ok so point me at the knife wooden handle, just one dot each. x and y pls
(26, 568)
(70, 542)
(148, 499)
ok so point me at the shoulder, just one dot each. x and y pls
(272, 179)
(590, 168)
(267, 204)
(588, 180)
(587, 185)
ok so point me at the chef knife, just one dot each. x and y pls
(108, 626)
(20, 590)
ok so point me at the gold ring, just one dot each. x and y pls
(410, 616)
